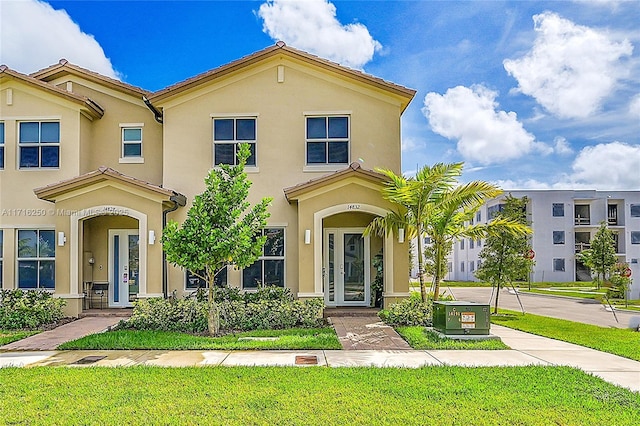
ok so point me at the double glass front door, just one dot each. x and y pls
(124, 255)
(346, 269)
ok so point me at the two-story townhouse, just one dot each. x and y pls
(131, 160)
(563, 223)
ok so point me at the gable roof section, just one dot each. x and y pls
(281, 48)
(293, 193)
(52, 191)
(90, 107)
(63, 68)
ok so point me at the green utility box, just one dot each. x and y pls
(461, 317)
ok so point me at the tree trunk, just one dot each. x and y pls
(213, 317)
(436, 270)
(423, 289)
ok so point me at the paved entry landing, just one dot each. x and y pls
(50, 340)
(367, 332)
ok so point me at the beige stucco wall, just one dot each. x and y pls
(280, 109)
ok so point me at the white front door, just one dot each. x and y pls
(124, 255)
(347, 271)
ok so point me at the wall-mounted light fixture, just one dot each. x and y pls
(152, 237)
(92, 261)
(61, 238)
(307, 236)
(401, 235)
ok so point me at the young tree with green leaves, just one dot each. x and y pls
(221, 229)
(505, 254)
(601, 256)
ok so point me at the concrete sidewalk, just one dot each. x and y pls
(527, 349)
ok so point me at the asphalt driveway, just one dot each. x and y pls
(579, 310)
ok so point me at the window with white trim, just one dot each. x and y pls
(558, 265)
(635, 237)
(327, 140)
(36, 259)
(557, 209)
(1, 145)
(472, 266)
(131, 142)
(39, 144)
(268, 270)
(194, 281)
(228, 133)
(558, 237)
(461, 266)
(634, 210)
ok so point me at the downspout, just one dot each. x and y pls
(178, 200)
(156, 113)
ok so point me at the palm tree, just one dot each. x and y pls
(447, 220)
(414, 197)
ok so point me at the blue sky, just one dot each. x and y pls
(527, 94)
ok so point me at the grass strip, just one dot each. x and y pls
(296, 338)
(617, 341)
(312, 396)
(8, 336)
(423, 338)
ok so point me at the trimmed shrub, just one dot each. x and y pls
(410, 311)
(31, 309)
(267, 308)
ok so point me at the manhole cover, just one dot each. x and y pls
(89, 359)
(306, 360)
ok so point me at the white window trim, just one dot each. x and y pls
(38, 144)
(330, 167)
(132, 159)
(262, 258)
(247, 168)
(36, 259)
(2, 144)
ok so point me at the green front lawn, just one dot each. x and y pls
(296, 338)
(312, 396)
(422, 338)
(618, 341)
(8, 336)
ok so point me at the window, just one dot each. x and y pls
(479, 243)
(635, 237)
(427, 240)
(479, 263)
(1, 145)
(558, 210)
(492, 211)
(472, 266)
(39, 144)
(461, 266)
(227, 134)
(478, 217)
(131, 142)
(268, 270)
(449, 267)
(635, 210)
(461, 244)
(194, 281)
(327, 140)
(471, 243)
(36, 259)
(558, 265)
(558, 237)
(1, 235)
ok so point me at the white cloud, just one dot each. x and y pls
(607, 166)
(312, 26)
(33, 36)
(484, 134)
(561, 146)
(571, 68)
(634, 107)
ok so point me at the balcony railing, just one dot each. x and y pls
(582, 246)
(582, 220)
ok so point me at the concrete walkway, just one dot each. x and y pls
(50, 340)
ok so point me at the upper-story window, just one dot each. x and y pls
(131, 141)
(1, 145)
(558, 237)
(227, 134)
(635, 210)
(327, 140)
(39, 143)
(557, 209)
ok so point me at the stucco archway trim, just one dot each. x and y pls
(105, 210)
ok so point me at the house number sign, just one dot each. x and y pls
(353, 206)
